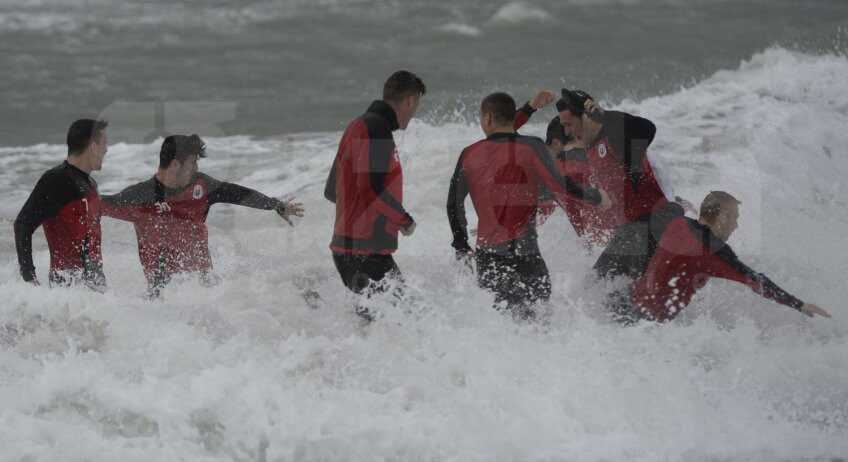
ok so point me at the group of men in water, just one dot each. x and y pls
(595, 164)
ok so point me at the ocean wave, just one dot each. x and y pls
(516, 12)
(250, 370)
(460, 29)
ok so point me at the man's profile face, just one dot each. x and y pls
(98, 151)
(573, 124)
(186, 170)
(727, 222)
(409, 108)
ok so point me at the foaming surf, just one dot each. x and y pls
(253, 370)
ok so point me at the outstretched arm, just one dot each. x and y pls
(726, 264)
(116, 206)
(231, 193)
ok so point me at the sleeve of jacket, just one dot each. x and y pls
(380, 156)
(725, 264)
(638, 135)
(49, 195)
(550, 177)
(456, 208)
(544, 211)
(125, 205)
(522, 115)
(221, 192)
(330, 185)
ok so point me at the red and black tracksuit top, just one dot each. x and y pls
(619, 165)
(65, 202)
(504, 174)
(689, 254)
(366, 184)
(170, 223)
(590, 222)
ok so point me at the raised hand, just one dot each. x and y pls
(542, 99)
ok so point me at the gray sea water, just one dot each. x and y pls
(748, 97)
(275, 67)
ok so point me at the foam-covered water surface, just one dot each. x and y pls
(249, 370)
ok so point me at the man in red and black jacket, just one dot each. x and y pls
(169, 212)
(691, 252)
(618, 158)
(65, 202)
(504, 174)
(592, 224)
(366, 184)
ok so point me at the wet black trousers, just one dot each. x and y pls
(518, 281)
(360, 272)
(365, 274)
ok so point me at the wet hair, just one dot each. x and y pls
(179, 147)
(556, 132)
(403, 84)
(715, 203)
(83, 132)
(500, 106)
(573, 101)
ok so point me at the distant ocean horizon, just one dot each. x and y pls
(264, 68)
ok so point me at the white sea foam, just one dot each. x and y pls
(460, 29)
(515, 12)
(249, 371)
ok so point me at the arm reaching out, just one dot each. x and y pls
(231, 193)
(811, 310)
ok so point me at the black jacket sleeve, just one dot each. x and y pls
(381, 149)
(330, 186)
(456, 208)
(231, 193)
(758, 282)
(49, 195)
(630, 136)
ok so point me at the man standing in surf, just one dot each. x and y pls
(169, 212)
(366, 184)
(504, 174)
(593, 225)
(620, 163)
(65, 201)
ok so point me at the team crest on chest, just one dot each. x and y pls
(198, 192)
(602, 150)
